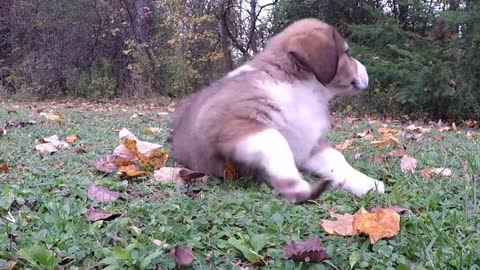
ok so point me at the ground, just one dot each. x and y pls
(44, 201)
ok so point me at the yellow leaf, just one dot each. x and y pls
(54, 117)
(152, 130)
(385, 130)
(387, 139)
(132, 171)
(379, 225)
(344, 145)
(72, 138)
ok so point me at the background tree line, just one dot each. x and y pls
(423, 56)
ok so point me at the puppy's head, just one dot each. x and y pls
(319, 49)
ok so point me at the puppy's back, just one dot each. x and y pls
(204, 121)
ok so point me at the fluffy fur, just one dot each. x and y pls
(270, 116)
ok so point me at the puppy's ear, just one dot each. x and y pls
(317, 52)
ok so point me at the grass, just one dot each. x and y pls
(44, 202)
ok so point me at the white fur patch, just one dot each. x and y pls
(304, 117)
(240, 70)
(269, 150)
(331, 164)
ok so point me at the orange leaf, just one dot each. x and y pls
(4, 167)
(230, 171)
(379, 225)
(387, 139)
(157, 159)
(72, 138)
(344, 145)
(342, 226)
(132, 171)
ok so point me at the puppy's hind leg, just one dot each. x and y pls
(268, 150)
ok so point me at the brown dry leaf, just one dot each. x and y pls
(344, 145)
(386, 130)
(99, 215)
(152, 130)
(379, 159)
(55, 141)
(54, 117)
(426, 174)
(101, 194)
(132, 171)
(178, 175)
(45, 149)
(387, 139)
(106, 164)
(366, 135)
(183, 255)
(157, 159)
(130, 146)
(72, 138)
(379, 225)
(397, 153)
(4, 167)
(441, 172)
(311, 250)
(3, 132)
(230, 171)
(342, 226)
(419, 129)
(408, 164)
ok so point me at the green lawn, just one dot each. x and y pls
(44, 202)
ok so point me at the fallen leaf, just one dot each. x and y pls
(387, 139)
(99, 215)
(3, 132)
(398, 209)
(156, 159)
(342, 226)
(101, 194)
(182, 255)
(168, 175)
(311, 250)
(130, 146)
(55, 141)
(44, 149)
(54, 117)
(230, 171)
(152, 130)
(392, 131)
(379, 159)
(106, 164)
(379, 225)
(132, 171)
(408, 164)
(397, 153)
(4, 167)
(366, 135)
(442, 172)
(344, 145)
(73, 138)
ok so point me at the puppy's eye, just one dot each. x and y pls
(348, 52)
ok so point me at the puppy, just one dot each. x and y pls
(270, 116)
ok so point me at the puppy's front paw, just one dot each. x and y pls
(362, 185)
(294, 190)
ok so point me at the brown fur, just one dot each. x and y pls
(207, 124)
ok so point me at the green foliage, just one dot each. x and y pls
(422, 56)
